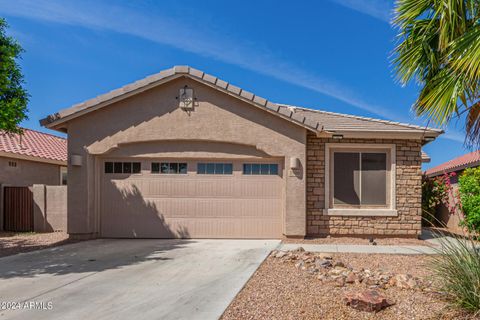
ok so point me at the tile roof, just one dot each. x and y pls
(34, 144)
(471, 159)
(173, 73)
(313, 120)
(333, 121)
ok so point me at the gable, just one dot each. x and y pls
(154, 115)
(56, 121)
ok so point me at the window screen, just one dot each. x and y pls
(360, 178)
(346, 178)
(374, 178)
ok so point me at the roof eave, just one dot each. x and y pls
(54, 121)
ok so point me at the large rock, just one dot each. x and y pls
(368, 300)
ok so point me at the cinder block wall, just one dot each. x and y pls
(408, 193)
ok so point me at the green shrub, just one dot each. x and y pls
(469, 187)
(457, 271)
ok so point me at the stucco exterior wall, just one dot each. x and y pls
(150, 124)
(27, 173)
(408, 193)
(49, 208)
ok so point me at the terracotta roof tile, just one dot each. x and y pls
(35, 144)
(471, 159)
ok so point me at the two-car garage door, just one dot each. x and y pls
(191, 199)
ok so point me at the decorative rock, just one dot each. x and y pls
(352, 278)
(325, 256)
(339, 264)
(299, 265)
(323, 263)
(368, 300)
(340, 282)
(404, 281)
(281, 254)
(299, 249)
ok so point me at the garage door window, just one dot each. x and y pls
(122, 167)
(169, 167)
(260, 168)
(214, 168)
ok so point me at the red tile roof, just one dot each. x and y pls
(35, 144)
(471, 159)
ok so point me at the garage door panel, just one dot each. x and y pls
(177, 188)
(219, 208)
(191, 206)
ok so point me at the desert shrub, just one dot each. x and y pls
(456, 268)
(469, 187)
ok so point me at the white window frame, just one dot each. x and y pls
(390, 211)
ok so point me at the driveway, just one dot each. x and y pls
(129, 279)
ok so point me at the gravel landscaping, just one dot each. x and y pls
(13, 242)
(302, 285)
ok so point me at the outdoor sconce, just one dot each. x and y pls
(337, 136)
(186, 99)
(294, 163)
(76, 160)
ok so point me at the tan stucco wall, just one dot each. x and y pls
(28, 173)
(49, 208)
(148, 124)
(408, 181)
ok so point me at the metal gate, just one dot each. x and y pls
(18, 209)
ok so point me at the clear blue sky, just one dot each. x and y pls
(329, 55)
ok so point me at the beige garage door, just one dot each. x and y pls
(191, 199)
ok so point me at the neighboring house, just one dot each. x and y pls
(470, 160)
(185, 154)
(32, 158)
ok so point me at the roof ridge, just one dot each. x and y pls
(407, 125)
(178, 71)
(38, 131)
(456, 162)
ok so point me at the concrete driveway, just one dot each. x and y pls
(129, 279)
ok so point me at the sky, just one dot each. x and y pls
(332, 55)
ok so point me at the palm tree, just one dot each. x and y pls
(439, 47)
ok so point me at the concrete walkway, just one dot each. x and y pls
(347, 248)
(130, 279)
(432, 239)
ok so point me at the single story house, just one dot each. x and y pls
(32, 157)
(185, 154)
(445, 218)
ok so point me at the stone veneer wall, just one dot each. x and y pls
(408, 193)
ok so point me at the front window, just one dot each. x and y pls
(360, 179)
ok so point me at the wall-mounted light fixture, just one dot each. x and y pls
(186, 99)
(294, 163)
(76, 160)
(337, 136)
